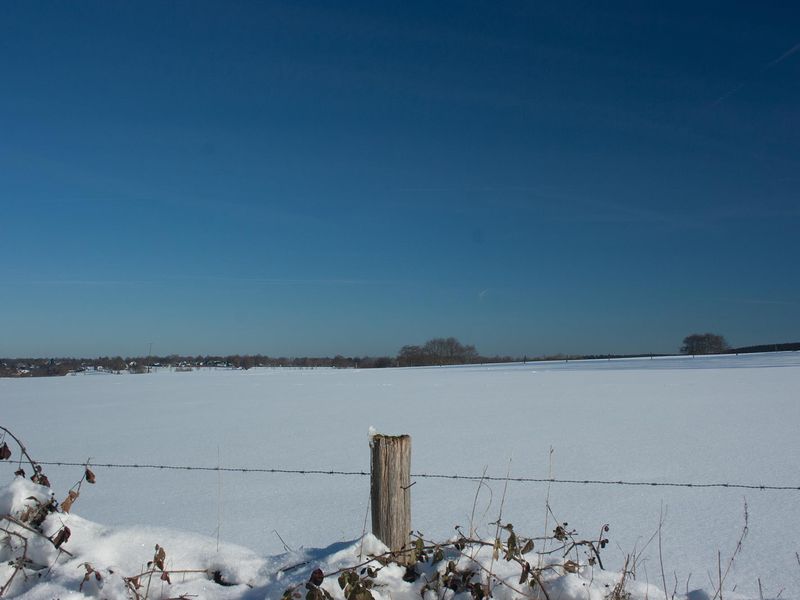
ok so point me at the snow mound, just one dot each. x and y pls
(120, 563)
(149, 562)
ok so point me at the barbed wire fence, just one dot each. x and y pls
(342, 473)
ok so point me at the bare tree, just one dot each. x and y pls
(704, 343)
(438, 351)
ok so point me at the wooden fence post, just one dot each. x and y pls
(390, 493)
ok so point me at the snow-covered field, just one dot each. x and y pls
(722, 419)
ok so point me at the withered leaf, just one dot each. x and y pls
(411, 574)
(526, 570)
(89, 570)
(571, 566)
(20, 472)
(317, 577)
(89, 475)
(511, 545)
(62, 536)
(5, 452)
(40, 478)
(358, 594)
(496, 550)
(527, 547)
(66, 504)
(477, 591)
(560, 533)
(165, 577)
(316, 593)
(160, 556)
(85, 579)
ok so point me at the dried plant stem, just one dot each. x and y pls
(490, 575)
(481, 483)
(574, 544)
(618, 593)
(19, 523)
(285, 545)
(497, 529)
(547, 499)
(660, 554)
(364, 528)
(219, 498)
(149, 580)
(22, 448)
(459, 546)
(19, 563)
(739, 543)
(170, 571)
(77, 486)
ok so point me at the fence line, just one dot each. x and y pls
(704, 485)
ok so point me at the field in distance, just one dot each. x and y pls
(714, 419)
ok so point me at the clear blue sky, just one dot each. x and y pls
(312, 178)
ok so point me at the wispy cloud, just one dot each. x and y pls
(766, 301)
(77, 282)
(480, 188)
(210, 279)
(727, 94)
(556, 203)
(293, 282)
(793, 50)
(785, 55)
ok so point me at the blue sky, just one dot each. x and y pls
(303, 178)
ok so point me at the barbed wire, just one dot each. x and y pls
(333, 472)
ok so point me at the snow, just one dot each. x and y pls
(718, 419)
(102, 562)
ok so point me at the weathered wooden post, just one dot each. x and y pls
(390, 471)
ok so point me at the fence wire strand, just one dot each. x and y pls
(332, 472)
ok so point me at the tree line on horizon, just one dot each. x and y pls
(434, 352)
(437, 351)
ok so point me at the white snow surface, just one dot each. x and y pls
(717, 419)
(103, 560)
